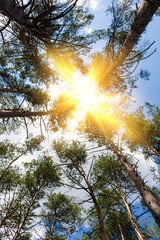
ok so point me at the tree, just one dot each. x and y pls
(143, 16)
(110, 175)
(12, 194)
(33, 20)
(74, 156)
(62, 215)
(25, 74)
(41, 174)
(101, 134)
(22, 193)
(10, 153)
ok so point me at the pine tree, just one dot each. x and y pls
(74, 157)
(104, 136)
(61, 215)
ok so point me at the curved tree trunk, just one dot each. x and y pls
(142, 17)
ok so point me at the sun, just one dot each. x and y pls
(82, 92)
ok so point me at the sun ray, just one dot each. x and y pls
(83, 93)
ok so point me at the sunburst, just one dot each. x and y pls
(84, 94)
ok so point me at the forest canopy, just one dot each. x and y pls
(70, 133)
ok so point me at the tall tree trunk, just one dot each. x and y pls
(120, 229)
(27, 212)
(134, 224)
(98, 210)
(142, 17)
(119, 225)
(52, 228)
(149, 199)
(13, 114)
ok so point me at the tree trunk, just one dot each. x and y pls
(98, 210)
(52, 228)
(10, 90)
(134, 224)
(27, 212)
(142, 17)
(12, 11)
(120, 229)
(148, 198)
(119, 225)
(13, 114)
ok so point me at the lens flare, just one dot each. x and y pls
(85, 96)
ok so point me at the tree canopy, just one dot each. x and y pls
(52, 190)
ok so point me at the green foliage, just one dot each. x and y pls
(62, 112)
(25, 236)
(152, 230)
(122, 17)
(10, 153)
(106, 171)
(41, 170)
(25, 74)
(74, 152)
(66, 213)
(142, 131)
(10, 180)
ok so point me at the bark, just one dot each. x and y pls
(9, 90)
(27, 212)
(12, 11)
(52, 228)
(98, 210)
(13, 114)
(120, 229)
(119, 225)
(148, 198)
(142, 17)
(134, 224)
